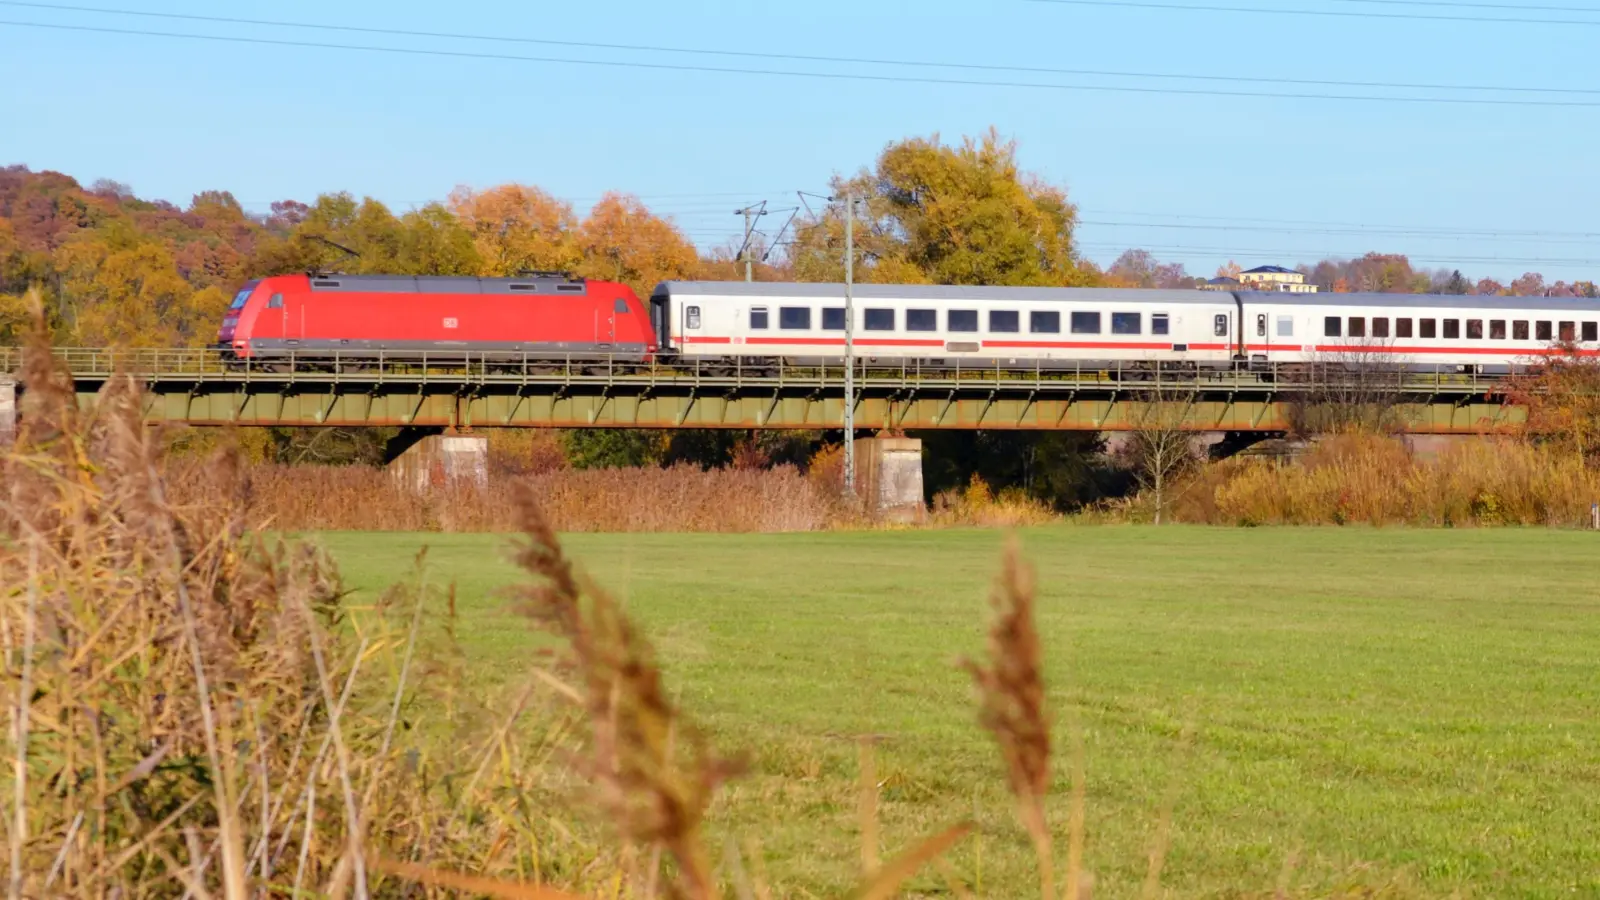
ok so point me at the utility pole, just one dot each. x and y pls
(749, 213)
(849, 344)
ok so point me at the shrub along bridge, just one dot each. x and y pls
(199, 387)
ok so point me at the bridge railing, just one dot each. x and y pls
(204, 364)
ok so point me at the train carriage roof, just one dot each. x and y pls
(1507, 305)
(976, 294)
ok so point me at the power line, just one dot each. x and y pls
(1351, 232)
(843, 60)
(1339, 254)
(1334, 13)
(1464, 232)
(830, 76)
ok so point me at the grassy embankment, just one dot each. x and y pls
(1412, 710)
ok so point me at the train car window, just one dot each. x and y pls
(1568, 332)
(1497, 329)
(1286, 326)
(1330, 326)
(961, 320)
(1005, 321)
(833, 318)
(1357, 326)
(879, 320)
(620, 306)
(1474, 329)
(794, 318)
(1452, 329)
(922, 320)
(1380, 326)
(1044, 322)
(1261, 325)
(1427, 328)
(1126, 323)
(1541, 331)
(691, 316)
(1219, 325)
(758, 318)
(1519, 330)
(1591, 331)
(1160, 324)
(1085, 323)
(1402, 328)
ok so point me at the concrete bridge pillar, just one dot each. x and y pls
(439, 460)
(8, 412)
(889, 477)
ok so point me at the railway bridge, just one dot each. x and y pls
(457, 394)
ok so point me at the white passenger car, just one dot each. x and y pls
(1008, 326)
(1063, 327)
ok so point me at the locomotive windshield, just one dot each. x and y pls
(240, 298)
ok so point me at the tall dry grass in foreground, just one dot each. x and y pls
(1374, 480)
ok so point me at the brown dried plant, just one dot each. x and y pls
(1011, 696)
(653, 773)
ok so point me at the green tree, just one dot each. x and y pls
(614, 448)
(934, 213)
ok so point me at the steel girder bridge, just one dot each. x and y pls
(200, 387)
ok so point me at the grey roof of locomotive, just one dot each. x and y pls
(1424, 301)
(835, 291)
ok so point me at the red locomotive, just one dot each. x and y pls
(396, 316)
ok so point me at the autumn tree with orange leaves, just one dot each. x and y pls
(1562, 398)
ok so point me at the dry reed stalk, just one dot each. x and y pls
(1011, 697)
(652, 772)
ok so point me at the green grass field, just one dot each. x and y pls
(1418, 710)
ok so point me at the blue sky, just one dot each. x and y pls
(1492, 190)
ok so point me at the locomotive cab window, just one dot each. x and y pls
(1452, 329)
(758, 318)
(1219, 325)
(1085, 323)
(1357, 326)
(1519, 330)
(833, 318)
(879, 320)
(1160, 324)
(1286, 326)
(1497, 329)
(276, 302)
(1044, 322)
(922, 320)
(1380, 326)
(1005, 321)
(691, 317)
(1125, 323)
(1568, 332)
(964, 320)
(1427, 328)
(240, 298)
(1542, 331)
(1591, 331)
(621, 306)
(794, 318)
(1474, 329)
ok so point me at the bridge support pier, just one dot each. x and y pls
(443, 460)
(889, 478)
(8, 412)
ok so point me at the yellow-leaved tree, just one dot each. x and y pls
(517, 228)
(935, 213)
(623, 241)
